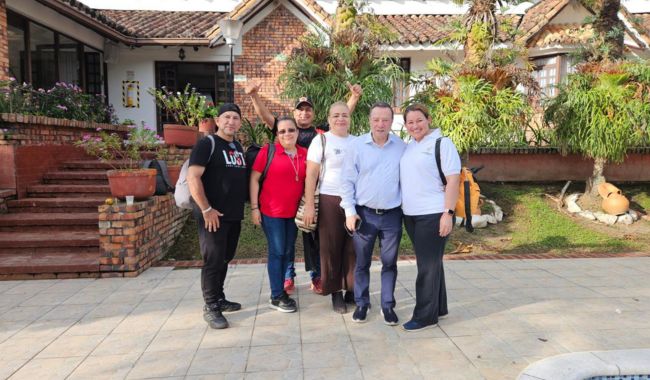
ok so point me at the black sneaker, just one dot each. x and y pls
(338, 303)
(213, 316)
(360, 314)
(390, 318)
(283, 303)
(349, 297)
(227, 306)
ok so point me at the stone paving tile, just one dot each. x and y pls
(109, 367)
(503, 315)
(51, 368)
(71, 346)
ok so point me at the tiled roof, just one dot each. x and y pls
(562, 34)
(247, 7)
(164, 24)
(538, 16)
(426, 29)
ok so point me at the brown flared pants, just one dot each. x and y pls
(337, 257)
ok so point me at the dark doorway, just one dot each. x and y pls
(209, 78)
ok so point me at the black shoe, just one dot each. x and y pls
(338, 303)
(227, 306)
(349, 297)
(360, 314)
(213, 316)
(390, 318)
(283, 303)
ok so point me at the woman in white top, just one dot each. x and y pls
(336, 251)
(428, 207)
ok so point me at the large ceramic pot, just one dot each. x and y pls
(174, 172)
(180, 135)
(141, 183)
(207, 126)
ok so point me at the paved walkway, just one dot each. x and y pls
(503, 315)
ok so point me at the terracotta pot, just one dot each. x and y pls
(616, 204)
(180, 135)
(207, 126)
(141, 183)
(606, 188)
(174, 172)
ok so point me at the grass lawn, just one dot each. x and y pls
(532, 224)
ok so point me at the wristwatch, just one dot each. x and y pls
(449, 211)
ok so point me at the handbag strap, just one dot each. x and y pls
(323, 142)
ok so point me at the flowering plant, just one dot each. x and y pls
(187, 107)
(64, 100)
(119, 153)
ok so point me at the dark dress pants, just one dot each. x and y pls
(388, 228)
(430, 290)
(217, 249)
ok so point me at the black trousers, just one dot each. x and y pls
(312, 255)
(430, 290)
(217, 249)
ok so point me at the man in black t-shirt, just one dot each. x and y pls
(217, 182)
(303, 113)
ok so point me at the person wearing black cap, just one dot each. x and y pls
(303, 113)
(217, 182)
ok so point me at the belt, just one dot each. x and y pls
(380, 211)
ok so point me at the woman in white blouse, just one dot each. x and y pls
(336, 251)
(428, 207)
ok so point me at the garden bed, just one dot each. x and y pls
(532, 225)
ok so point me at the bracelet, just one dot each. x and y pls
(206, 210)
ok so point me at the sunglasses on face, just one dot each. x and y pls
(288, 130)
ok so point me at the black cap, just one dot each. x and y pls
(226, 107)
(304, 100)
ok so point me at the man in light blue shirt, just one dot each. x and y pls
(371, 199)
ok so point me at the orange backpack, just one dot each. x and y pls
(469, 192)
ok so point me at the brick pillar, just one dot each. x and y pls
(4, 42)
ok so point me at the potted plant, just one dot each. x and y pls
(207, 125)
(123, 155)
(186, 108)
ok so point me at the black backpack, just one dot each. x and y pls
(163, 186)
(250, 155)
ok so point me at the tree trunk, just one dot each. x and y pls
(481, 24)
(591, 199)
(610, 28)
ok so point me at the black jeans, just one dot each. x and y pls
(430, 290)
(217, 249)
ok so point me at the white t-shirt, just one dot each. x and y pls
(422, 190)
(335, 149)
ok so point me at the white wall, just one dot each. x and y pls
(141, 61)
(54, 20)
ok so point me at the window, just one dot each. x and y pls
(209, 79)
(401, 88)
(42, 57)
(548, 73)
(17, 58)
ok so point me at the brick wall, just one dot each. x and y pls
(5, 195)
(265, 49)
(4, 42)
(32, 145)
(132, 238)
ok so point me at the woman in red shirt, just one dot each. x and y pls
(278, 204)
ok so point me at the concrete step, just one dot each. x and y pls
(80, 177)
(61, 262)
(48, 241)
(56, 205)
(33, 222)
(49, 191)
(97, 165)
